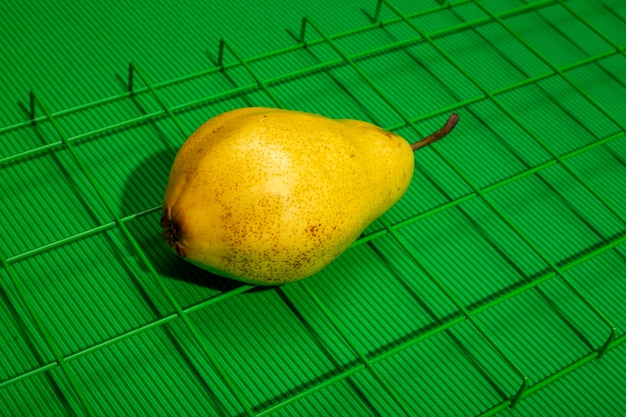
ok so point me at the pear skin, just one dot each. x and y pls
(269, 196)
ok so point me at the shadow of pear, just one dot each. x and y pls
(143, 190)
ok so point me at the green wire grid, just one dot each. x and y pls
(364, 362)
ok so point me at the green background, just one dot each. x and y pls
(517, 220)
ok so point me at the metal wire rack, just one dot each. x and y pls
(142, 90)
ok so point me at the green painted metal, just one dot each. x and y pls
(400, 339)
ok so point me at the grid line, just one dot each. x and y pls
(312, 295)
(473, 311)
(133, 242)
(573, 288)
(364, 239)
(59, 360)
(308, 70)
(541, 142)
(436, 280)
(263, 85)
(580, 180)
(500, 214)
(424, 12)
(227, 66)
(208, 353)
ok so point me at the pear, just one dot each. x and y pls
(269, 196)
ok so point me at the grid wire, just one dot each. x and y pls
(391, 229)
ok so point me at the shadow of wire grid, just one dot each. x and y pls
(501, 270)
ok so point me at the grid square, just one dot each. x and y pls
(47, 189)
(443, 376)
(616, 6)
(602, 280)
(158, 372)
(378, 309)
(468, 13)
(604, 17)
(604, 168)
(418, 80)
(445, 20)
(337, 93)
(25, 139)
(96, 117)
(21, 346)
(362, 42)
(54, 397)
(178, 95)
(501, 6)
(605, 82)
(557, 35)
(532, 328)
(473, 252)
(492, 56)
(572, 310)
(558, 214)
(132, 165)
(559, 115)
(499, 148)
(409, 7)
(276, 67)
(358, 395)
(270, 342)
(593, 390)
(90, 290)
(579, 106)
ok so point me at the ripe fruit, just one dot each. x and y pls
(269, 196)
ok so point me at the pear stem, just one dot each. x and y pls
(434, 137)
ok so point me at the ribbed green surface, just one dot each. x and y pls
(497, 280)
(584, 392)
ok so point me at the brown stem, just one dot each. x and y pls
(444, 130)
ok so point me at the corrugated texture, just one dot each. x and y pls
(602, 279)
(82, 56)
(492, 156)
(77, 306)
(358, 395)
(379, 310)
(139, 375)
(44, 394)
(281, 346)
(605, 169)
(541, 208)
(20, 351)
(593, 390)
(539, 339)
(504, 262)
(65, 204)
(442, 376)
(471, 251)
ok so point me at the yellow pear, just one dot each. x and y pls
(269, 196)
